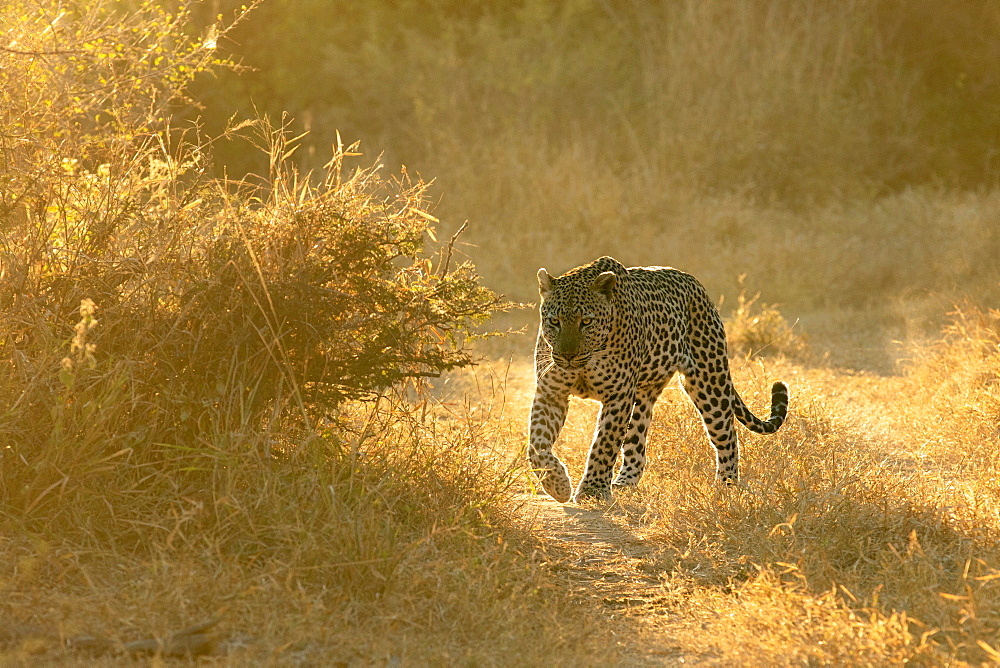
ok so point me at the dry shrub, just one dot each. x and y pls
(754, 329)
(219, 310)
(93, 193)
(221, 307)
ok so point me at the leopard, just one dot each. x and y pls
(619, 335)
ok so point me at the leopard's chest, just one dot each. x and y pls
(606, 377)
(644, 356)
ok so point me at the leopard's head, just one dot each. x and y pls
(577, 312)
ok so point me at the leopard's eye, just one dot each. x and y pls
(586, 321)
(553, 321)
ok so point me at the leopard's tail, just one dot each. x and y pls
(779, 410)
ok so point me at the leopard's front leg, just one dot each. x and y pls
(611, 426)
(548, 413)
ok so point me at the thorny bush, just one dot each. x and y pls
(254, 306)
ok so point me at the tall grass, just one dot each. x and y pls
(958, 376)
(405, 548)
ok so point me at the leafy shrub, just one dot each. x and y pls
(208, 306)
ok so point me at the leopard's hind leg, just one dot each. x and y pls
(712, 394)
(634, 444)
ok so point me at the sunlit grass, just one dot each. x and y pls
(866, 531)
(407, 549)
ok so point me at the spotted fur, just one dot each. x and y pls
(619, 335)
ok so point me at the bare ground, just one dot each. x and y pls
(603, 564)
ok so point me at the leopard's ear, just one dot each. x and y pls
(605, 284)
(544, 282)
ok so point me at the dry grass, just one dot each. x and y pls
(754, 328)
(866, 532)
(957, 379)
(409, 550)
(139, 494)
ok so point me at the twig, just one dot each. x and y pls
(450, 247)
(54, 52)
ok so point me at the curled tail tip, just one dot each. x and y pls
(779, 397)
(779, 410)
(779, 404)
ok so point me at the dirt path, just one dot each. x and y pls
(605, 566)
